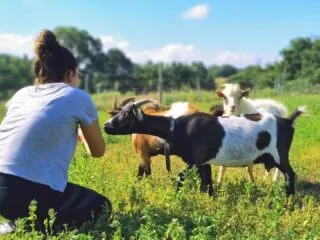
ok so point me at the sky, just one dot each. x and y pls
(238, 32)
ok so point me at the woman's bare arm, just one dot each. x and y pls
(92, 139)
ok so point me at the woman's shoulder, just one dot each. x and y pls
(79, 94)
(81, 103)
(79, 99)
(21, 92)
(24, 89)
(53, 91)
(60, 89)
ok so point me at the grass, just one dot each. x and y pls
(152, 209)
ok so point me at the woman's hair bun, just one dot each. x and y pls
(46, 42)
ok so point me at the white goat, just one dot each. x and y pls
(235, 102)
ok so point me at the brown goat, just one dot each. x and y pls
(147, 146)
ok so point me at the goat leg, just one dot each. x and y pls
(167, 155)
(181, 177)
(276, 175)
(290, 181)
(206, 179)
(250, 172)
(221, 173)
(140, 172)
(289, 176)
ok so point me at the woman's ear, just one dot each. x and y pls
(72, 78)
(69, 76)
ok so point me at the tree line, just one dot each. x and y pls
(113, 70)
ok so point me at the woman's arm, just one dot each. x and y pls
(92, 139)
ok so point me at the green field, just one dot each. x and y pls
(152, 209)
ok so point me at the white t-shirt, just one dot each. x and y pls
(38, 135)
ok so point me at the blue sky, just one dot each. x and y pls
(218, 31)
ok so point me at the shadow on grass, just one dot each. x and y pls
(309, 188)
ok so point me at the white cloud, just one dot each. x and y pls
(188, 53)
(113, 42)
(106, 40)
(197, 12)
(123, 44)
(168, 53)
(243, 59)
(238, 59)
(16, 44)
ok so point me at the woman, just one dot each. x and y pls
(38, 138)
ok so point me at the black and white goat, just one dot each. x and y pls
(236, 102)
(147, 146)
(201, 139)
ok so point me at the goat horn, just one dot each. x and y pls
(115, 103)
(124, 102)
(143, 101)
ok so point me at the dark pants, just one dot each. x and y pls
(73, 206)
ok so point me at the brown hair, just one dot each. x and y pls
(52, 61)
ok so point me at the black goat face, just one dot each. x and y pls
(125, 122)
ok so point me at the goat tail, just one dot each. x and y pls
(296, 113)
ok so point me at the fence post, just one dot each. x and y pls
(86, 82)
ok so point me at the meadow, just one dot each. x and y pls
(153, 209)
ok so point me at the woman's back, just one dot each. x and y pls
(38, 138)
(38, 134)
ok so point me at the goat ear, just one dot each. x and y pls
(137, 112)
(219, 94)
(113, 112)
(245, 92)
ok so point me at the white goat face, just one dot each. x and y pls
(232, 95)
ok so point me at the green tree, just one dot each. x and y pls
(311, 60)
(15, 72)
(225, 70)
(147, 76)
(293, 57)
(269, 75)
(200, 76)
(179, 75)
(119, 70)
(247, 77)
